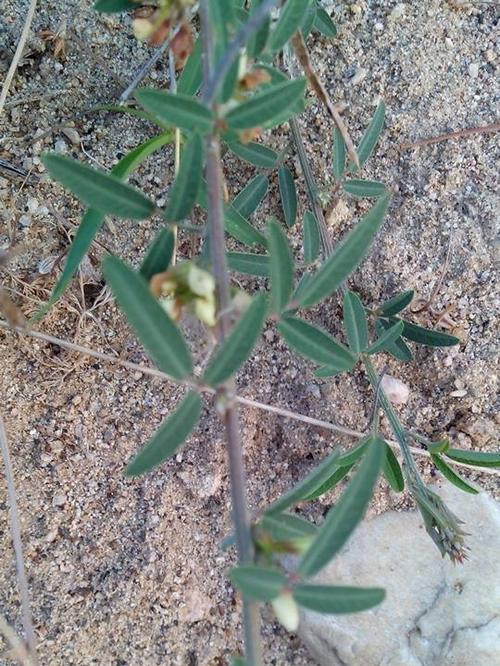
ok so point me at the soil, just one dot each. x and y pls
(130, 572)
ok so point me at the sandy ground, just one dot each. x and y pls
(129, 572)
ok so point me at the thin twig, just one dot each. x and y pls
(243, 35)
(459, 134)
(18, 648)
(17, 55)
(247, 402)
(316, 84)
(15, 529)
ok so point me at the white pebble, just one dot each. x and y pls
(396, 390)
(61, 146)
(59, 500)
(72, 135)
(359, 76)
(474, 70)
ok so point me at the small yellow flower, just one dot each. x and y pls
(286, 611)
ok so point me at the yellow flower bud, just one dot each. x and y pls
(143, 29)
(204, 309)
(200, 282)
(286, 611)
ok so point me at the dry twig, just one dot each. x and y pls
(459, 134)
(17, 54)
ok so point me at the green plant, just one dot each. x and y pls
(244, 93)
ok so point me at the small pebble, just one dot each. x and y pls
(460, 393)
(398, 12)
(359, 76)
(25, 221)
(396, 390)
(61, 146)
(474, 70)
(59, 500)
(72, 135)
(46, 265)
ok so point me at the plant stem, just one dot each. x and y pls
(225, 394)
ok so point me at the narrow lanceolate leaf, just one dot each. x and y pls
(313, 343)
(329, 599)
(452, 476)
(93, 220)
(371, 136)
(291, 18)
(330, 483)
(159, 254)
(478, 458)
(308, 485)
(258, 583)
(392, 471)
(308, 22)
(182, 196)
(249, 264)
(154, 328)
(265, 106)
(286, 527)
(99, 189)
(170, 435)
(387, 338)
(426, 336)
(324, 24)
(329, 370)
(258, 41)
(112, 6)
(349, 254)
(397, 348)
(311, 238)
(178, 110)
(281, 269)
(355, 322)
(353, 455)
(237, 347)
(346, 514)
(288, 195)
(251, 196)
(255, 153)
(397, 303)
(190, 80)
(339, 151)
(364, 188)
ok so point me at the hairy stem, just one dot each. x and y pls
(225, 395)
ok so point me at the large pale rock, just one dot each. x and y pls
(435, 613)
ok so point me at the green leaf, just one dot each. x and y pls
(184, 191)
(281, 268)
(258, 583)
(113, 6)
(238, 346)
(353, 455)
(442, 446)
(478, 458)
(342, 518)
(355, 322)
(190, 79)
(179, 110)
(339, 152)
(291, 18)
(371, 136)
(308, 22)
(98, 189)
(426, 336)
(249, 264)
(347, 257)
(267, 106)
(251, 196)
(170, 435)
(255, 153)
(311, 238)
(398, 348)
(159, 335)
(258, 41)
(159, 254)
(324, 24)
(392, 471)
(287, 527)
(387, 338)
(334, 479)
(134, 113)
(288, 195)
(239, 661)
(364, 188)
(452, 476)
(308, 485)
(397, 303)
(329, 599)
(93, 220)
(313, 343)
